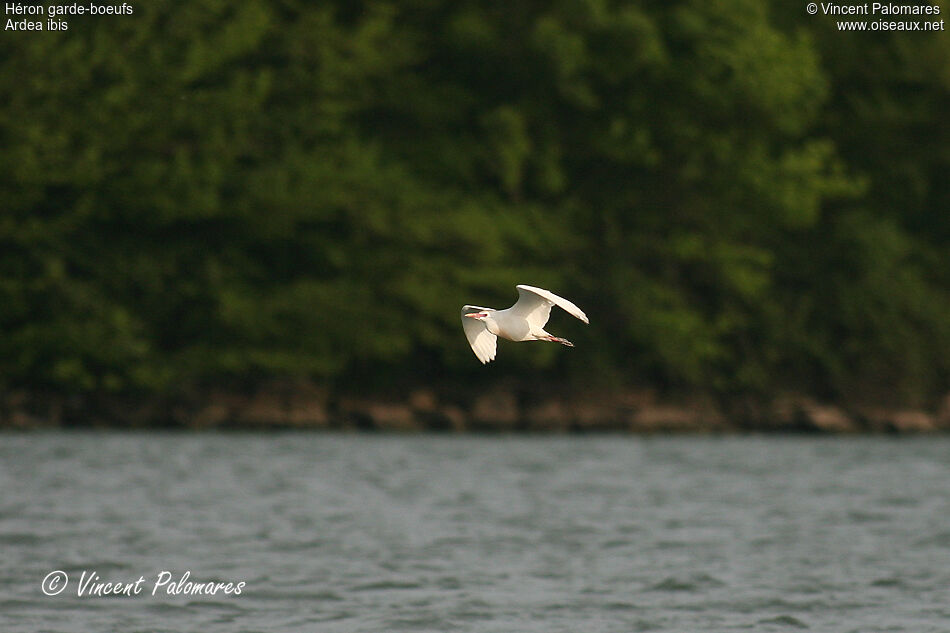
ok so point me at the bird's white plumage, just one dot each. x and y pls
(524, 321)
(535, 305)
(483, 342)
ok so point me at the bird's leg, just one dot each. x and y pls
(562, 341)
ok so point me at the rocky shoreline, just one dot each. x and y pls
(503, 409)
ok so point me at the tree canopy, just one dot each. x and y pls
(741, 197)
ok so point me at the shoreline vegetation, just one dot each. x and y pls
(741, 197)
(502, 409)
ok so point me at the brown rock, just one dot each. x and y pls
(263, 409)
(25, 410)
(211, 415)
(307, 407)
(496, 411)
(802, 413)
(293, 404)
(680, 418)
(369, 415)
(596, 416)
(455, 418)
(23, 420)
(751, 413)
(826, 418)
(423, 400)
(308, 414)
(943, 413)
(899, 421)
(216, 409)
(392, 417)
(913, 422)
(785, 412)
(550, 415)
(637, 398)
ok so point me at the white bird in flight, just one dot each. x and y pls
(523, 321)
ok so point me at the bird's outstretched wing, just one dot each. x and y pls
(534, 305)
(483, 342)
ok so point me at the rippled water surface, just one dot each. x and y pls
(496, 534)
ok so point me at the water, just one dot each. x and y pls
(494, 534)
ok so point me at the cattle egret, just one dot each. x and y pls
(523, 321)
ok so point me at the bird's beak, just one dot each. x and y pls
(473, 315)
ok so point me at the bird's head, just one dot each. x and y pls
(477, 315)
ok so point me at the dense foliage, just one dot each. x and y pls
(741, 197)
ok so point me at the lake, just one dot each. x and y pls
(356, 533)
